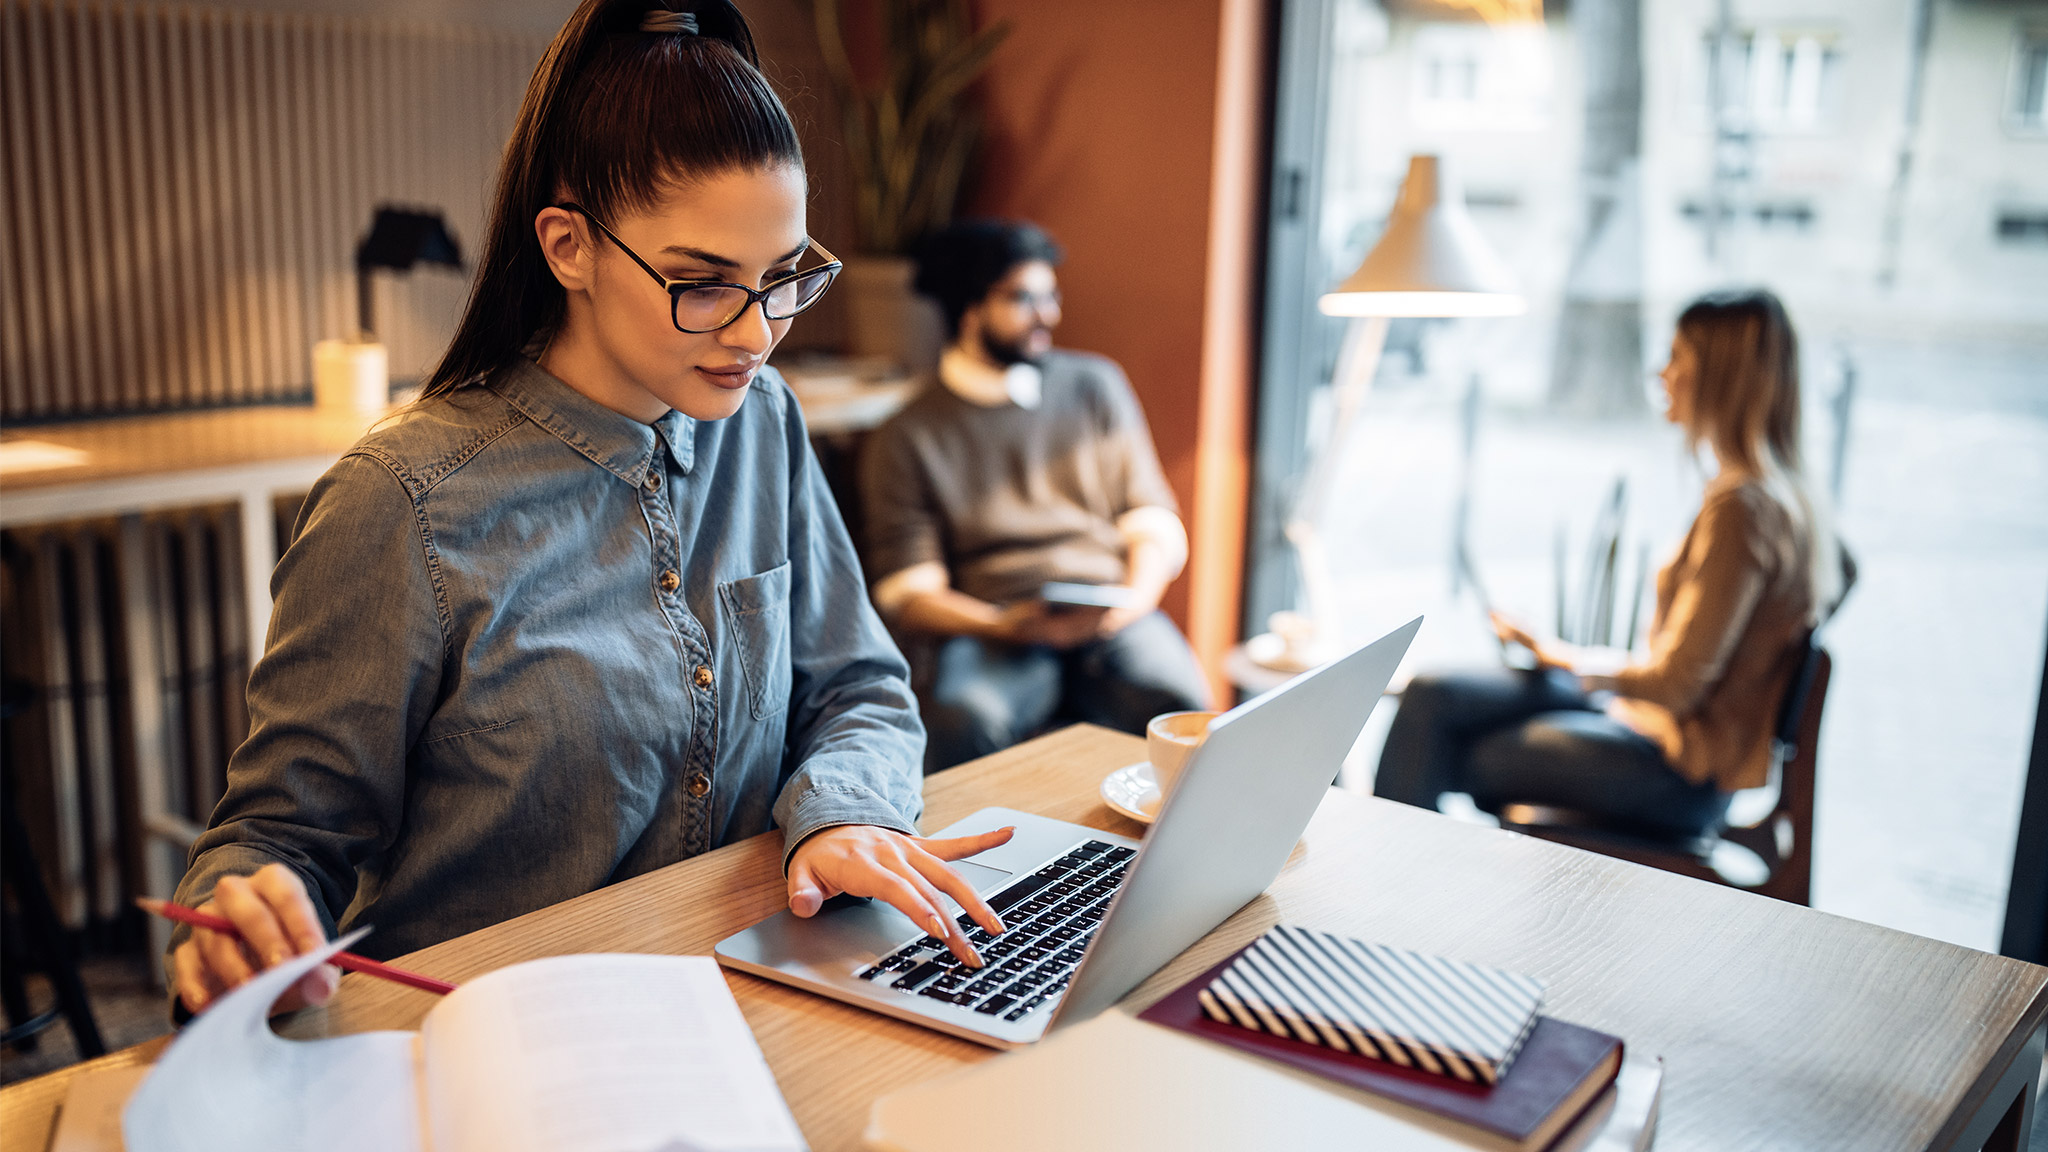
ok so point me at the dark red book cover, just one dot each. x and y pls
(1551, 1071)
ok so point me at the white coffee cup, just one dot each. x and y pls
(1170, 739)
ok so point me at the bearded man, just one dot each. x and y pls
(1020, 472)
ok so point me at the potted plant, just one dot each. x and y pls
(908, 140)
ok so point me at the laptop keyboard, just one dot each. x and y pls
(1050, 916)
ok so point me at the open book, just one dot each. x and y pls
(594, 1053)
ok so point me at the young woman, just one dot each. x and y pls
(587, 608)
(1660, 741)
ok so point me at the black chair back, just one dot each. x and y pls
(1793, 708)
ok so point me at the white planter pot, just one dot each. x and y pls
(885, 317)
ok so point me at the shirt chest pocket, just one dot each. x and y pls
(756, 612)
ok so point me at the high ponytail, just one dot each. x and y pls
(613, 117)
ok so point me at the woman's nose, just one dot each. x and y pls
(750, 331)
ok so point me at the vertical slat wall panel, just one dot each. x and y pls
(185, 188)
(18, 314)
(271, 188)
(83, 168)
(167, 378)
(45, 228)
(209, 200)
(118, 239)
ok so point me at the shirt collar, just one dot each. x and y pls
(619, 444)
(984, 385)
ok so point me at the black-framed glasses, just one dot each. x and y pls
(699, 306)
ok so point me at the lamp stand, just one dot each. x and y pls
(1315, 634)
(365, 330)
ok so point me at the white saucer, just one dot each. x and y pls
(1130, 790)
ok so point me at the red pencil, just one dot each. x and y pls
(346, 960)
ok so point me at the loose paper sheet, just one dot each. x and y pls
(230, 1084)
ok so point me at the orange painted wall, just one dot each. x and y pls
(1131, 130)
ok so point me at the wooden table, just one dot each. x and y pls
(1781, 1027)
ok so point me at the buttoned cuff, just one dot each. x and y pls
(830, 806)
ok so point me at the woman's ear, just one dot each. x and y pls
(565, 245)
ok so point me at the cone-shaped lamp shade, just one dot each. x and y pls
(1430, 261)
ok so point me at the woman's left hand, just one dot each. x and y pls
(1514, 633)
(909, 872)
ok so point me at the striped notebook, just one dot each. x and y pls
(1420, 1012)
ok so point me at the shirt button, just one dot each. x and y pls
(653, 480)
(670, 581)
(703, 676)
(699, 784)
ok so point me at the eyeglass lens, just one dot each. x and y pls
(714, 306)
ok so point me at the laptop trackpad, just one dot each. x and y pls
(984, 878)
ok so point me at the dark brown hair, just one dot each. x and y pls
(960, 263)
(613, 117)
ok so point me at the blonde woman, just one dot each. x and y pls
(1660, 740)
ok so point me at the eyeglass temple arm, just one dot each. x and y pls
(580, 210)
(821, 250)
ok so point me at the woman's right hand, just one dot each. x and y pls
(276, 919)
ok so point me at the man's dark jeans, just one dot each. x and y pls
(985, 696)
(1509, 736)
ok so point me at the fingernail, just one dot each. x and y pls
(939, 926)
(277, 957)
(1000, 926)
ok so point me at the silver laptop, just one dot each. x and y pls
(1091, 914)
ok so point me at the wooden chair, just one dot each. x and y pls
(1765, 843)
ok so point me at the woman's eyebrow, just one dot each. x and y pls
(717, 261)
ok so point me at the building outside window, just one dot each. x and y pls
(2029, 107)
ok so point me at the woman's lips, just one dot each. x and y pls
(732, 379)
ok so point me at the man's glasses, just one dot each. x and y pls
(699, 306)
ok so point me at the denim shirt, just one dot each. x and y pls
(524, 646)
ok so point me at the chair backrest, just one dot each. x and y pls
(1755, 806)
(1792, 709)
(1791, 824)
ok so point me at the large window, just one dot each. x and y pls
(1623, 158)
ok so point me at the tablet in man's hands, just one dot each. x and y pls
(1061, 593)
